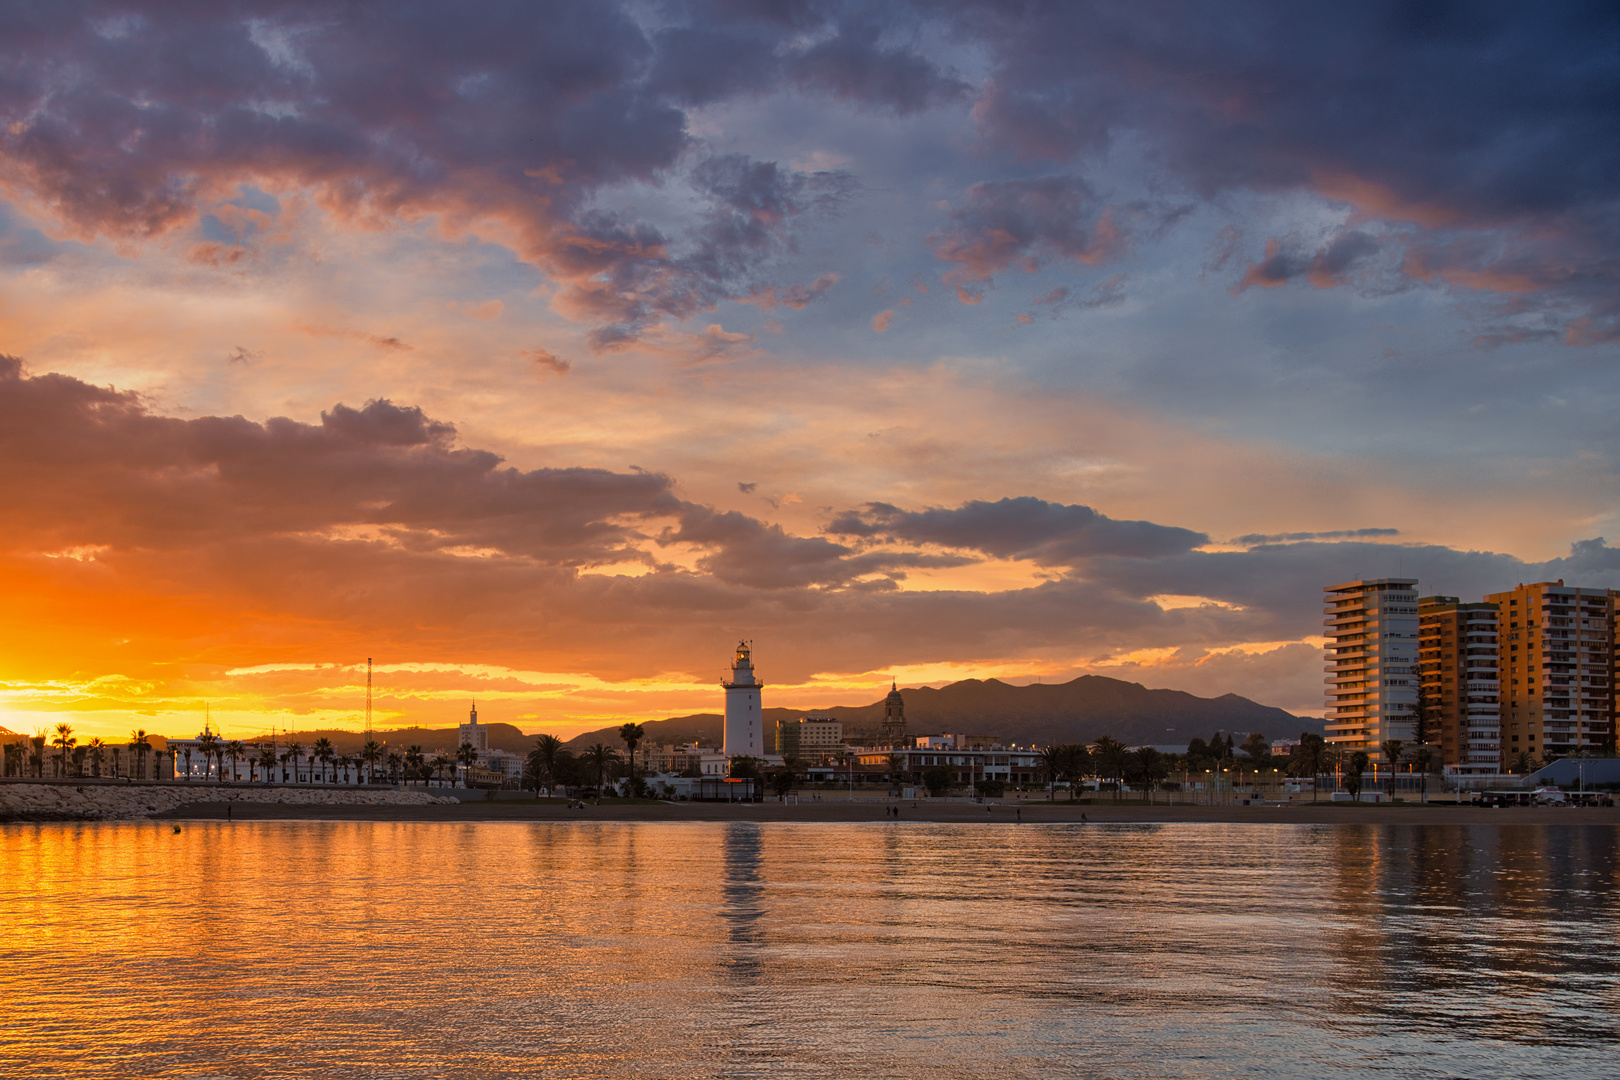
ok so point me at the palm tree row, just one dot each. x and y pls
(61, 753)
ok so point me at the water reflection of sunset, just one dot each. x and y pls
(664, 949)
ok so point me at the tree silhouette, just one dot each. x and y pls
(632, 734)
(295, 752)
(64, 740)
(414, 761)
(322, 751)
(547, 750)
(206, 742)
(139, 746)
(236, 749)
(371, 753)
(1111, 757)
(1421, 711)
(1051, 759)
(466, 757)
(1352, 772)
(1075, 759)
(1393, 748)
(601, 759)
(1149, 764)
(1311, 758)
(1423, 758)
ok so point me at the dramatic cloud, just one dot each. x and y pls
(1019, 222)
(1020, 528)
(146, 482)
(1334, 534)
(1443, 117)
(1326, 269)
(448, 332)
(506, 119)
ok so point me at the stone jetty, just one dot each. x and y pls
(115, 802)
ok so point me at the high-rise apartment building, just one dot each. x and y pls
(1457, 658)
(1557, 658)
(1372, 656)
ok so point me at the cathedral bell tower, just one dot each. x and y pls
(894, 718)
(745, 725)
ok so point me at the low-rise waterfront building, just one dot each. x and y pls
(967, 764)
(812, 737)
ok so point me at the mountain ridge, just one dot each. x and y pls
(1076, 711)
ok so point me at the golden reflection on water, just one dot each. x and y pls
(339, 949)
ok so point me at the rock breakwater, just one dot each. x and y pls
(115, 802)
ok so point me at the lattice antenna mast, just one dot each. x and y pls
(368, 699)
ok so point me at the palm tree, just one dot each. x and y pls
(98, 754)
(632, 734)
(466, 757)
(234, 750)
(79, 754)
(897, 768)
(394, 762)
(13, 758)
(295, 753)
(371, 753)
(1352, 773)
(1424, 760)
(267, 762)
(601, 758)
(206, 742)
(1312, 756)
(322, 751)
(413, 762)
(1076, 760)
(547, 750)
(1525, 763)
(37, 758)
(1148, 763)
(139, 744)
(1111, 757)
(64, 741)
(1051, 759)
(434, 768)
(1392, 750)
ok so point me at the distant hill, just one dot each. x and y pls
(1077, 711)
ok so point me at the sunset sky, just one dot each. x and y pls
(541, 351)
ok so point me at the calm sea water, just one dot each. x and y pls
(320, 949)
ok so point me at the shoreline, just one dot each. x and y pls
(923, 811)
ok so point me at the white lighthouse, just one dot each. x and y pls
(745, 726)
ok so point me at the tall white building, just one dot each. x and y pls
(1372, 663)
(475, 733)
(745, 725)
